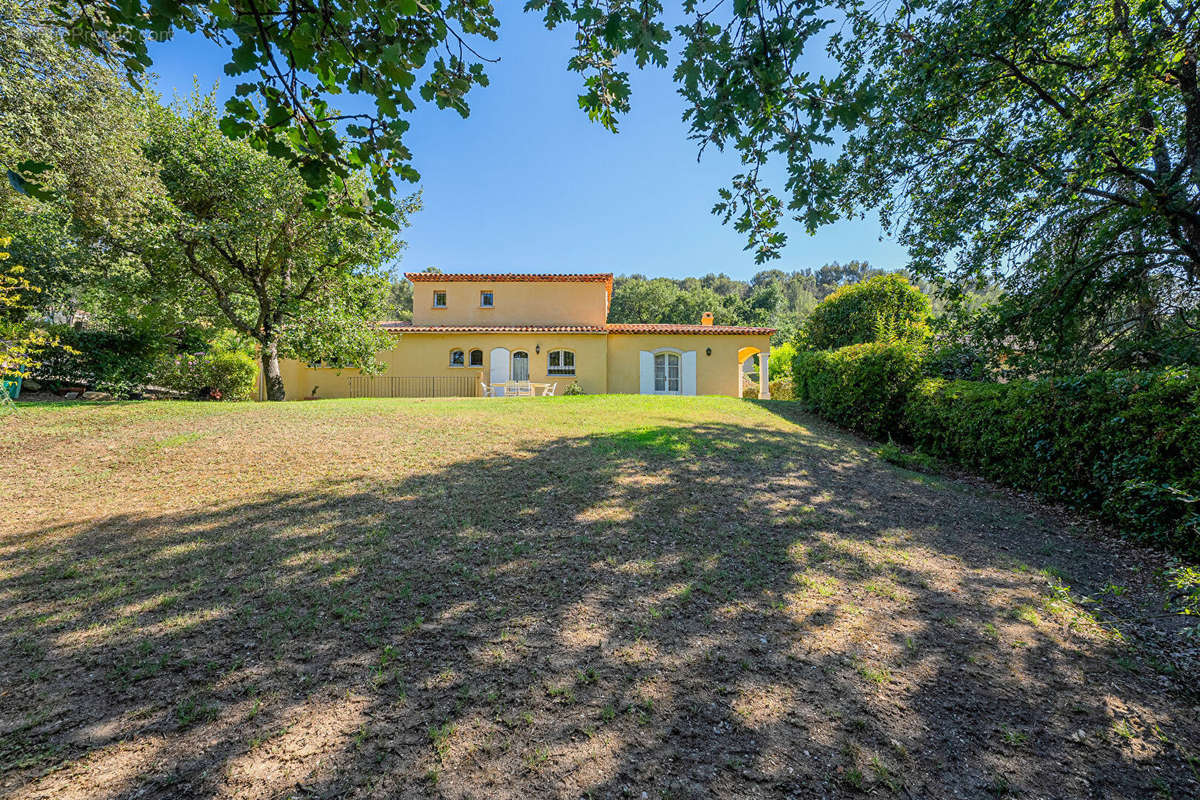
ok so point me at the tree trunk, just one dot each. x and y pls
(272, 380)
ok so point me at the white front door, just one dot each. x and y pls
(499, 369)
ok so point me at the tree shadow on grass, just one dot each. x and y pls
(681, 611)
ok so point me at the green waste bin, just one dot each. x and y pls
(12, 387)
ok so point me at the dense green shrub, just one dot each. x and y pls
(116, 361)
(881, 309)
(780, 362)
(1124, 444)
(956, 361)
(218, 374)
(782, 389)
(233, 374)
(863, 386)
(913, 460)
(1184, 583)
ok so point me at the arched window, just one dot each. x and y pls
(560, 362)
(666, 373)
(476, 358)
(456, 358)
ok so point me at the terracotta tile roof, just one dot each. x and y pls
(508, 277)
(700, 330)
(408, 327)
(512, 277)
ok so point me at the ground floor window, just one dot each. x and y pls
(456, 358)
(666, 373)
(560, 362)
(476, 358)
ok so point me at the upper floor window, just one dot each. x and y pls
(456, 358)
(476, 358)
(560, 362)
(439, 299)
(485, 300)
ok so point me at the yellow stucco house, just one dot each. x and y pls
(474, 329)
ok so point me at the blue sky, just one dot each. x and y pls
(528, 184)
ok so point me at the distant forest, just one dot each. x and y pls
(771, 297)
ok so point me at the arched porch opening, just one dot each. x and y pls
(764, 380)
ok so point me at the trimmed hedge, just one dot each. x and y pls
(1124, 444)
(863, 386)
(119, 362)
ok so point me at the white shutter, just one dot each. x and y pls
(646, 372)
(687, 377)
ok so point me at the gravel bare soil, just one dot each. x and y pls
(558, 597)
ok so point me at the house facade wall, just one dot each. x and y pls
(428, 354)
(715, 374)
(604, 363)
(514, 303)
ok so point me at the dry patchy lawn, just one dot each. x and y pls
(558, 597)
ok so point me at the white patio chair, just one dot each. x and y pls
(549, 390)
(488, 391)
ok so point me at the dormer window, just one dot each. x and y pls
(439, 299)
(485, 300)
